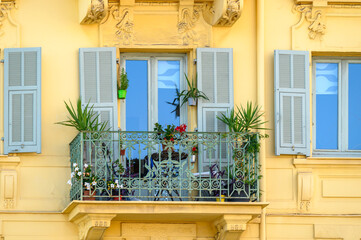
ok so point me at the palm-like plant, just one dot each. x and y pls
(83, 119)
(192, 92)
(244, 119)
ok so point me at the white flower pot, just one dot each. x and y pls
(192, 101)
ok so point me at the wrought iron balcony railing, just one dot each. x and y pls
(193, 166)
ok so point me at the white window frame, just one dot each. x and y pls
(152, 59)
(342, 150)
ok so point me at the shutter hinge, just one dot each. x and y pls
(195, 61)
(2, 139)
(117, 60)
(2, 61)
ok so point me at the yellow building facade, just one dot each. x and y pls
(308, 190)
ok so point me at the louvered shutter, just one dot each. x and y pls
(22, 100)
(215, 79)
(292, 108)
(98, 82)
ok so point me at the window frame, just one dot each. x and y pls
(342, 132)
(152, 59)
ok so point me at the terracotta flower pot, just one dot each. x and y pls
(87, 196)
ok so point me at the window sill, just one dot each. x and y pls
(327, 162)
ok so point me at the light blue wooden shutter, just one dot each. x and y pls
(98, 82)
(215, 79)
(22, 100)
(292, 107)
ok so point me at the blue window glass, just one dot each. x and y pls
(168, 90)
(327, 106)
(137, 95)
(354, 106)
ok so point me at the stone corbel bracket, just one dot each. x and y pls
(314, 16)
(305, 190)
(223, 12)
(92, 11)
(230, 227)
(93, 226)
(8, 182)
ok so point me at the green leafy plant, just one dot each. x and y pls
(83, 119)
(123, 81)
(244, 119)
(192, 92)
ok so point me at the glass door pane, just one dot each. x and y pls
(137, 95)
(168, 91)
(354, 106)
(327, 106)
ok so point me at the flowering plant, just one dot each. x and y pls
(194, 150)
(169, 132)
(114, 184)
(89, 180)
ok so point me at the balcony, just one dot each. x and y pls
(143, 177)
(143, 166)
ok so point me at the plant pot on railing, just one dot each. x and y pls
(115, 195)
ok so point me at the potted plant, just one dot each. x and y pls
(217, 173)
(123, 84)
(245, 120)
(192, 94)
(89, 180)
(83, 119)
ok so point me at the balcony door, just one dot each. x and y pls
(154, 84)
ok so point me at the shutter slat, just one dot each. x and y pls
(14, 78)
(30, 69)
(222, 77)
(28, 117)
(16, 110)
(22, 100)
(292, 123)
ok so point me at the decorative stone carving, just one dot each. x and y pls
(124, 26)
(92, 226)
(230, 227)
(96, 12)
(223, 12)
(5, 8)
(316, 27)
(186, 24)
